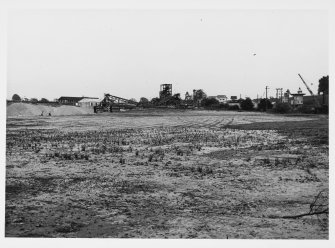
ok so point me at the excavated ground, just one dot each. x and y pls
(172, 174)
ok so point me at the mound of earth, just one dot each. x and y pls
(27, 109)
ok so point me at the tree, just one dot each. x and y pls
(282, 107)
(144, 100)
(324, 85)
(210, 102)
(223, 106)
(16, 98)
(176, 99)
(264, 104)
(198, 96)
(133, 99)
(155, 101)
(233, 107)
(44, 100)
(170, 100)
(247, 104)
(33, 100)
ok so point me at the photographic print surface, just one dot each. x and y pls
(183, 124)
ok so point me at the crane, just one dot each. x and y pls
(110, 101)
(316, 102)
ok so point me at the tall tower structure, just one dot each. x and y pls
(165, 90)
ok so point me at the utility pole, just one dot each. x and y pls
(266, 97)
(279, 94)
(277, 89)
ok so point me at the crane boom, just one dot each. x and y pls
(316, 102)
(310, 91)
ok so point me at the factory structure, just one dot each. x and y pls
(167, 99)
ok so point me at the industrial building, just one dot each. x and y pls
(89, 102)
(72, 100)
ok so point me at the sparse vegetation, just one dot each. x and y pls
(142, 171)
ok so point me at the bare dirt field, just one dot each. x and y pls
(170, 174)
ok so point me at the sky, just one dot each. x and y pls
(129, 53)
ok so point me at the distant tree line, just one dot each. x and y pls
(17, 98)
(323, 85)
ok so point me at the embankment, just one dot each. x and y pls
(29, 109)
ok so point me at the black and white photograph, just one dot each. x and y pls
(167, 123)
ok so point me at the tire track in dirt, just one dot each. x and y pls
(227, 124)
(207, 123)
(200, 124)
(214, 124)
(184, 123)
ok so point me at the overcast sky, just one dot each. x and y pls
(53, 53)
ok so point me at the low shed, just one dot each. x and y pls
(89, 102)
